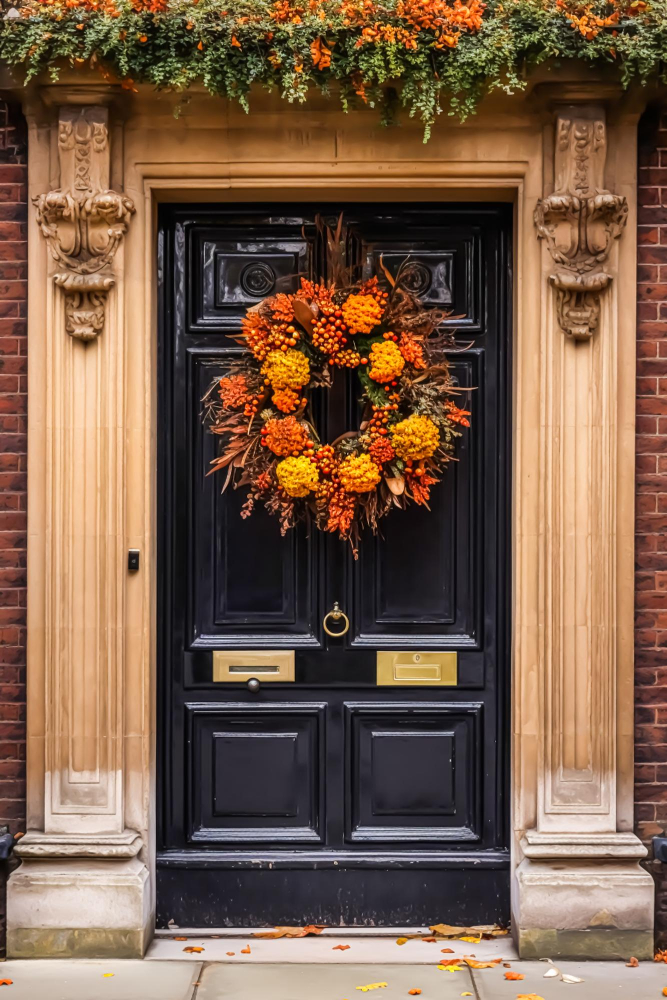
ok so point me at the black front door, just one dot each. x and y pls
(332, 798)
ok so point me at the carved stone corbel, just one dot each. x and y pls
(83, 221)
(580, 222)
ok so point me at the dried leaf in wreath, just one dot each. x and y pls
(304, 314)
(396, 484)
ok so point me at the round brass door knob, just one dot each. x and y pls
(335, 615)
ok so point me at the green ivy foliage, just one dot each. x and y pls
(229, 48)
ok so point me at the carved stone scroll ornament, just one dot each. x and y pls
(83, 221)
(580, 222)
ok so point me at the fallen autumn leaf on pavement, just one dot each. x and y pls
(230, 953)
(451, 968)
(246, 951)
(180, 939)
(340, 947)
(633, 963)
(107, 975)
(292, 932)
(528, 996)
(414, 993)
(514, 976)
(371, 986)
(193, 950)
(660, 956)
(664, 992)
(447, 951)
(6, 982)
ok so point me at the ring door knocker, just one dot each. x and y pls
(336, 614)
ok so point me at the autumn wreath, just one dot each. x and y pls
(294, 343)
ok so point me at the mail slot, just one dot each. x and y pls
(269, 665)
(419, 669)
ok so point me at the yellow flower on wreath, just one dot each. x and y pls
(287, 369)
(359, 474)
(415, 437)
(297, 476)
(386, 361)
(361, 313)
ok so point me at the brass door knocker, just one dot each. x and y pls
(336, 614)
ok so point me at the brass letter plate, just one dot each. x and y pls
(423, 669)
(267, 665)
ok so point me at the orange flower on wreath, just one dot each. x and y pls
(286, 400)
(385, 361)
(233, 391)
(361, 313)
(286, 436)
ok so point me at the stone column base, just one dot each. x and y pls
(583, 910)
(76, 908)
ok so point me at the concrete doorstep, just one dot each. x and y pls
(79, 979)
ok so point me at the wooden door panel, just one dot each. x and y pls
(256, 773)
(250, 583)
(234, 272)
(413, 772)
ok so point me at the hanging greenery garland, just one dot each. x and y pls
(429, 56)
(262, 408)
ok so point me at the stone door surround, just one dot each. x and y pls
(99, 161)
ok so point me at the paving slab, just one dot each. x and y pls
(327, 982)
(602, 981)
(79, 979)
(358, 949)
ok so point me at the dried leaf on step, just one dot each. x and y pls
(193, 949)
(450, 961)
(371, 986)
(6, 982)
(474, 964)
(180, 939)
(514, 976)
(470, 940)
(429, 940)
(340, 947)
(451, 968)
(292, 932)
(528, 996)
(477, 931)
(660, 956)
(246, 951)
(466, 994)
(230, 953)
(633, 963)
(401, 940)
(414, 993)
(567, 978)
(107, 975)
(447, 951)
(664, 991)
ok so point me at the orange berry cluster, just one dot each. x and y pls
(329, 330)
(263, 337)
(388, 335)
(253, 405)
(377, 425)
(325, 458)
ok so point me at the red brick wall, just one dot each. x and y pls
(13, 410)
(651, 499)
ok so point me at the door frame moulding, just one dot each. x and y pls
(597, 855)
